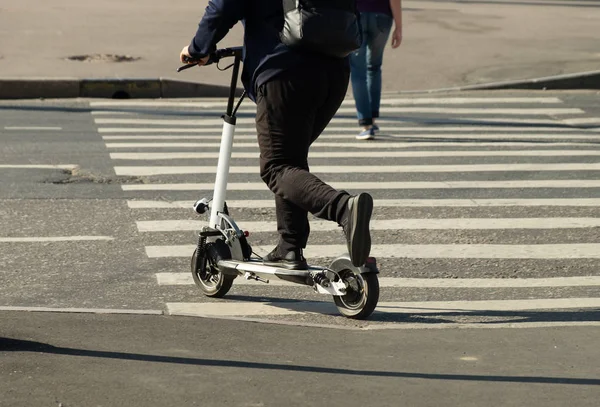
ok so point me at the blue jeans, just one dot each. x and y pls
(365, 66)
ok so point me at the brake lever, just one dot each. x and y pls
(184, 67)
(191, 62)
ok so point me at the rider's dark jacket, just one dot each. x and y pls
(265, 55)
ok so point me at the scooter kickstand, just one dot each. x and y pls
(252, 276)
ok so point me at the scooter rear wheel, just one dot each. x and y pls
(205, 272)
(361, 297)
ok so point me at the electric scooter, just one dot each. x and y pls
(223, 252)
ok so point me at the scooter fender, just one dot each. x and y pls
(344, 263)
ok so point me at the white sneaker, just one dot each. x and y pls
(368, 134)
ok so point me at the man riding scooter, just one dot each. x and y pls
(297, 93)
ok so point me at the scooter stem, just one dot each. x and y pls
(229, 121)
(218, 201)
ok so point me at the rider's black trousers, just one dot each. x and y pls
(292, 111)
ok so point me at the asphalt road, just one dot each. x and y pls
(507, 191)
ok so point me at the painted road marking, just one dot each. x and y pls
(219, 103)
(585, 121)
(41, 166)
(391, 224)
(34, 128)
(247, 308)
(361, 169)
(367, 154)
(343, 110)
(83, 310)
(270, 203)
(49, 239)
(383, 143)
(331, 133)
(398, 127)
(425, 251)
(393, 282)
(259, 186)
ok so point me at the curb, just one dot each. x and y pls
(578, 81)
(61, 88)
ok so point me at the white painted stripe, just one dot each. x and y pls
(217, 102)
(83, 310)
(391, 224)
(393, 282)
(431, 127)
(327, 154)
(176, 130)
(398, 127)
(367, 154)
(478, 306)
(583, 121)
(431, 251)
(351, 124)
(220, 102)
(462, 101)
(173, 122)
(241, 308)
(269, 203)
(41, 166)
(114, 112)
(378, 144)
(346, 111)
(351, 169)
(258, 186)
(388, 136)
(333, 133)
(343, 110)
(523, 111)
(48, 239)
(32, 128)
(217, 111)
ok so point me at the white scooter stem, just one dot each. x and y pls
(218, 201)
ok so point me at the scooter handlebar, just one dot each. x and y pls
(214, 57)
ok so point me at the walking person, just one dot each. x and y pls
(297, 93)
(377, 18)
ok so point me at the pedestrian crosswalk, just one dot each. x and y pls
(504, 187)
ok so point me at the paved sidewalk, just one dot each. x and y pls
(446, 43)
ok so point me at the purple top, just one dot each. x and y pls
(374, 6)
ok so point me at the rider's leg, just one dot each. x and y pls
(287, 108)
(352, 213)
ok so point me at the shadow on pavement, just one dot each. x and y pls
(18, 345)
(429, 316)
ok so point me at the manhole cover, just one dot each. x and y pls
(103, 58)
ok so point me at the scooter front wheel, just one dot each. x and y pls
(362, 294)
(205, 272)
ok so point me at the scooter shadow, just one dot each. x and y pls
(387, 313)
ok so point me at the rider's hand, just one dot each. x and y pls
(397, 37)
(185, 56)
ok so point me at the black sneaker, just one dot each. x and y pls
(292, 260)
(356, 228)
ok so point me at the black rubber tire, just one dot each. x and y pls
(358, 304)
(207, 276)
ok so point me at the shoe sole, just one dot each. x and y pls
(367, 137)
(360, 237)
(301, 266)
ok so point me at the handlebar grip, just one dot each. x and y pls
(213, 57)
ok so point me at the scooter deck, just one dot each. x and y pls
(257, 266)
